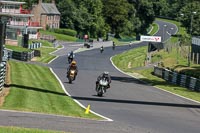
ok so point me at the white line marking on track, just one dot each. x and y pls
(106, 118)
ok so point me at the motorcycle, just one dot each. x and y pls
(101, 49)
(101, 87)
(71, 76)
(113, 47)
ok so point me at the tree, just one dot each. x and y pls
(191, 17)
(116, 14)
(146, 16)
(68, 13)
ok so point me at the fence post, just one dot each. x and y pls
(197, 87)
(174, 78)
(166, 74)
(192, 83)
(183, 80)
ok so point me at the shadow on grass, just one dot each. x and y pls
(167, 84)
(154, 82)
(34, 89)
(137, 102)
(126, 79)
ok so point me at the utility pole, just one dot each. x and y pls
(189, 54)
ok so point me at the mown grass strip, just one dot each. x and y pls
(25, 130)
(34, 88)
(45, 54)
(60, 36)
(17, 48)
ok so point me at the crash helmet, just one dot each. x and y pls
(73, 62)
(105, 73)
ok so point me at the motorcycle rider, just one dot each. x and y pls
(101, 49)
(72, 66)
(113, 45)
(102, 76)
(70, 56)
(130, 44)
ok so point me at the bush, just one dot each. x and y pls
(66, 32)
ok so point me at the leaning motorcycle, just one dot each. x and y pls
(71, 76)
(101, 87)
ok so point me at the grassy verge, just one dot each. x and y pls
(24, 130)
(44, 43)
(60, 36)
(34, 88)
(45, 54)
(132, 62)
(154, 29)
(17, 48)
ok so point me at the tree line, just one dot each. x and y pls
(129, 18)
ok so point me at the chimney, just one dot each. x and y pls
(53, 1)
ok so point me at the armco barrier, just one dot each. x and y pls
(192, 83)
(178, 79)
(183, 80)
(35, 45)
(197, 86)
(174, 77)
(2, 74)
(3, 69)
(23, 56)
(158, 72)
(166, 74)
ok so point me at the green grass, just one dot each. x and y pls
(169, 59)
(45, 54)
(34, 88)
(44, 43)
(24, 130)
(17, 48)
(158, 82)
(154, 29)
(136, 57)
(60, 36)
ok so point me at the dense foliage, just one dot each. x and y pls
(123, 17)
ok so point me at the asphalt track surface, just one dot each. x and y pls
(134, 107)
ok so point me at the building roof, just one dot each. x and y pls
(11, 2)
(50, 8)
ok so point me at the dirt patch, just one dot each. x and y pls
(3, 94)
(5, 90)
(34, 59)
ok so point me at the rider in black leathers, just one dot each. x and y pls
(70, 56)
(106, 76)
(113, 45)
